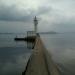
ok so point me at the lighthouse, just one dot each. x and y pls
(35, 24)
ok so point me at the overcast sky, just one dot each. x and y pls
(53, 15)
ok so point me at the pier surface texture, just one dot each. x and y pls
(40, 63)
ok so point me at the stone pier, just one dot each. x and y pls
(40, 62)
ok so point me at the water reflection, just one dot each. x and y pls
(13, 60)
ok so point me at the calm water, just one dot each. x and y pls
(13, 55)
(62, 49)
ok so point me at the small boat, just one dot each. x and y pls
(28, 39)
(19, 39)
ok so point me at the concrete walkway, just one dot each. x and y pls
(37, 64)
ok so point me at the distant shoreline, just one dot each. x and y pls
(48, 32)
(12, 33)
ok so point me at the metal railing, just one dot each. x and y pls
(32, 36)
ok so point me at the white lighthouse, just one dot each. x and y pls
(35, 24)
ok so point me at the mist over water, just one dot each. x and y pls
(13, 55)
(62, 49)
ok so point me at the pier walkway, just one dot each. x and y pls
(40, 63)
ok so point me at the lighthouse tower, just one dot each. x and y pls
(35, 24)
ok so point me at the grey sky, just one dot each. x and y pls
(58, 15)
